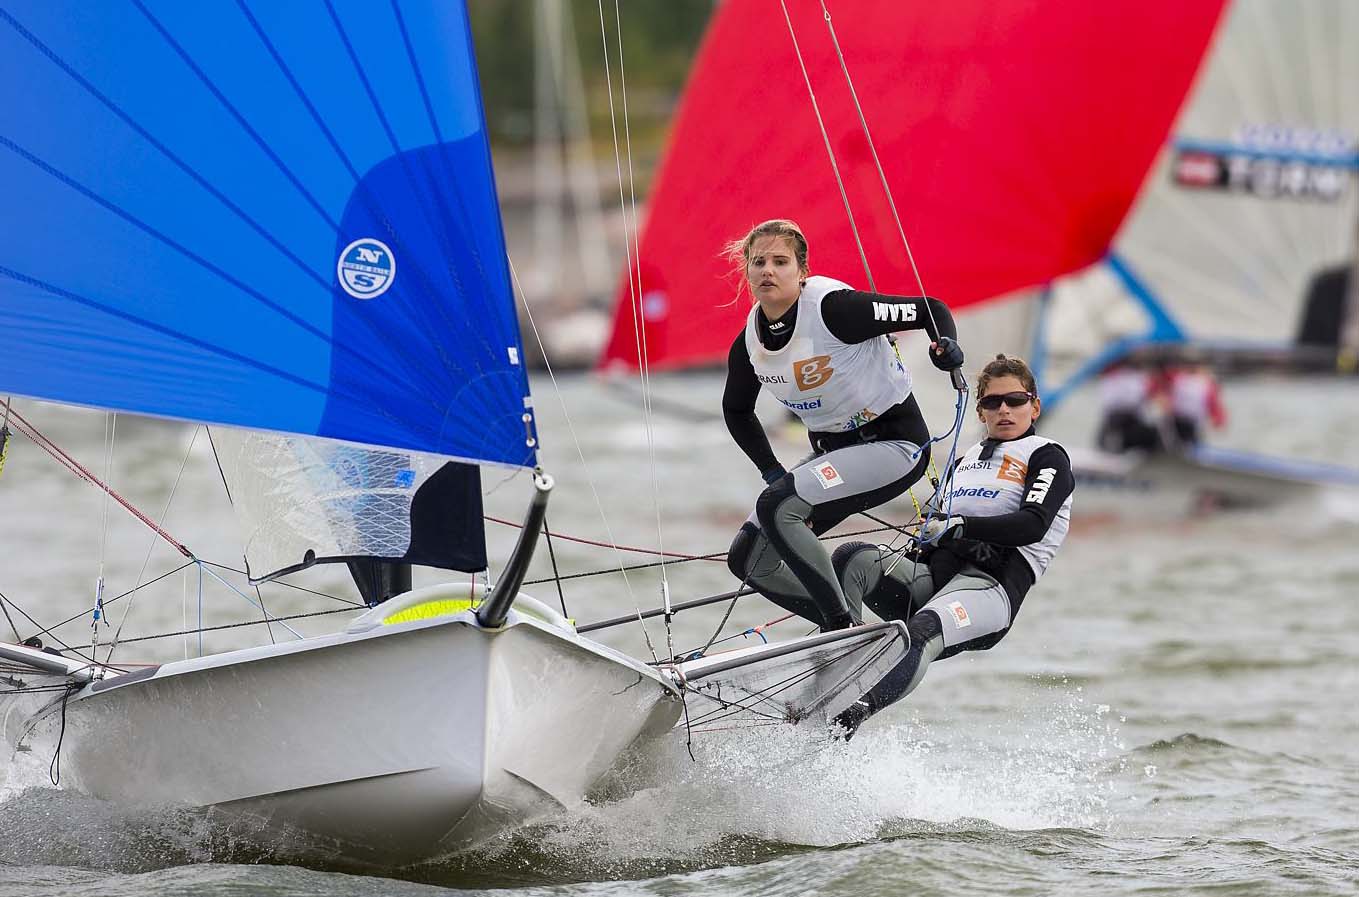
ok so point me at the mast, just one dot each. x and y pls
(492, 612)
(1347, 342)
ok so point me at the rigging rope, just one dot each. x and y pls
(41, 632)
(61, 457)
(110, 433)
(718, 556)
(601, 544)
(268, 624)
(872, 148)
(632, 253)
(4, 605)
(199, 631)
(750, 702)
(50, 631)
(556, 576)
(580, 452)
(4, 436)
(830, 152)
(959, 383)
(164, 515)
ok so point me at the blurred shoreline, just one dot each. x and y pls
(565, 236)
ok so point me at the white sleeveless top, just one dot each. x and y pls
(1124, 389)
(1189, 395)
(996, 486)
(832, 386)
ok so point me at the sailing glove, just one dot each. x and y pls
(773, 474)
(937, 529)
(947, 355)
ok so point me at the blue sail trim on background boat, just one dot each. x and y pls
(276, 216)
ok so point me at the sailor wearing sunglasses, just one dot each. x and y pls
(997, 529)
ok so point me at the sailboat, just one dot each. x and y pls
(1045, 176)
(284, 218)
(1251, 203)
(281, 220)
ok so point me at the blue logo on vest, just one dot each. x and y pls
(366, 268)
(974, 492)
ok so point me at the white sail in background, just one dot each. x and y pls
(1254, 194)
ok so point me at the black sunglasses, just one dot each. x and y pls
(1013, 399)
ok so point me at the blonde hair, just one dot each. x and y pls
(738, 251)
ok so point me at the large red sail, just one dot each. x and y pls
(1014, 135)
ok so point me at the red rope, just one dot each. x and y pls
(722, 557)
(75, 467)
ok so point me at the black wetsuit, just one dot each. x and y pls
(963, 593)
(849, 470)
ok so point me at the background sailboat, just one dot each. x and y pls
(1252, 197)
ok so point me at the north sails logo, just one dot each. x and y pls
(366, 268)
(1041, 484)
(893, 311)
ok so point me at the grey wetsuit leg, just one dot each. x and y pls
(969, 608)
(891, 585)
(755, 562)
(821, 492)
(972, 605)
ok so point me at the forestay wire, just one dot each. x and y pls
(580, 454)
(632, 253)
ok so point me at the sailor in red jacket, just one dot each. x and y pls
(1192, 397)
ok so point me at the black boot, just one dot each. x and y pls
(848, 721)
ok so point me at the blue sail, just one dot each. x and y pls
(274, 215)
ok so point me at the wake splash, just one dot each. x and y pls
(752, 794)
(45, 826)
(747, 796)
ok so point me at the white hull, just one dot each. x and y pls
(392, 745)
(805, 680)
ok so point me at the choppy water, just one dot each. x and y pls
(1173, 713)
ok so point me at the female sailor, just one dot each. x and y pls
(1006, 513)
(821, 348)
